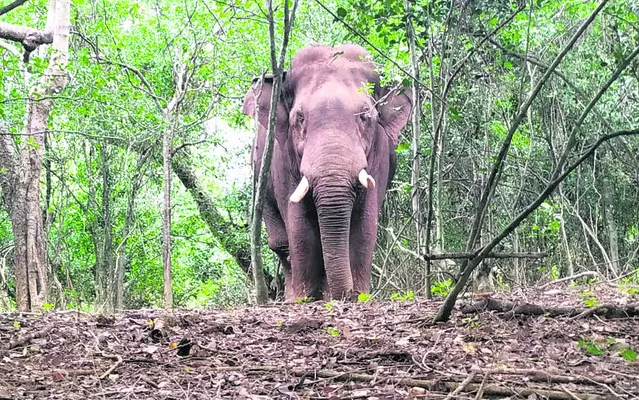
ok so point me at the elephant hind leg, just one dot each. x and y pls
(278, 243)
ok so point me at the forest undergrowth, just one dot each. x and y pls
(576, 349)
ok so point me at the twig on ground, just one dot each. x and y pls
(480, 391)
(547, 376)
(511, 309)
(461, 386)
(113, 367)
(571, 394)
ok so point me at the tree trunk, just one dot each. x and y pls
(415, 169)
(121, 260)
(611, 226)
(166, 225)
(25, 213)
(105, 265)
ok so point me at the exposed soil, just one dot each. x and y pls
(378, 350)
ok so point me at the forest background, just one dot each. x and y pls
(512, 95)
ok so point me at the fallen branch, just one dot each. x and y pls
(462, 386)
(450, 256)
(457, 387)
(610, 311)
(569, 278)
(480, 391)
(27, 338)
(547, 376)
(512, 308)
(493, 390)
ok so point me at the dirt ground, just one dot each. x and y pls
(375, 350)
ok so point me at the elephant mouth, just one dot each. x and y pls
(364, 178)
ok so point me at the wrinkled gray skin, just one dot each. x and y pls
(329, 128)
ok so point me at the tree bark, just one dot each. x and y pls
(611, 227)
(103, 237)
(261, 290)
(31, 267)
(166, 223)
(415, 169)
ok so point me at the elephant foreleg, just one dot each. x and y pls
(307, 264)
(362, 242)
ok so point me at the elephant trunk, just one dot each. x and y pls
(334, 201)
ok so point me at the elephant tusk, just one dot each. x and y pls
(366, 180)
(300, 191)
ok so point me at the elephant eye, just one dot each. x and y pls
(299, 117)
(364, 115)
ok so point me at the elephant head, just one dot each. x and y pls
(334, 119)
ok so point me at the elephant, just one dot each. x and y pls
(334, 157)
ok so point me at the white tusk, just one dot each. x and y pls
(366, 180)
(300, 191)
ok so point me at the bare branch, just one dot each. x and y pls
(468, 266)
(11, 6)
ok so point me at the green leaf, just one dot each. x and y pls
(403, 146)
(590, 347)
(363, 297)
(341, 12)
(508, 65)
(628, 354)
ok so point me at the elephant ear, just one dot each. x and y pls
(262, 88)
(394, 107)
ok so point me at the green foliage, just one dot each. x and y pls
(333, 332)
(472, 322)
(106, 117)
(303, 300)
(441, 288)
(590, 347)
(363, 298)
(589, 299)
(403, 296)
(628, 355)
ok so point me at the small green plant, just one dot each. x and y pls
(441, 288)
(16, 325)
(363, 297)
(408, 296)
(48, 307)
(333, 332)
(589, 299)
(280, 324)
(628, 354)
(554, 272)
(303, 300)
(590, 347)
(330, 305)
(472, 322)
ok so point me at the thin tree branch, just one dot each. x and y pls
(442, 314)
(468, 266)
(573, 134)
(11, 6)
(503, 151)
